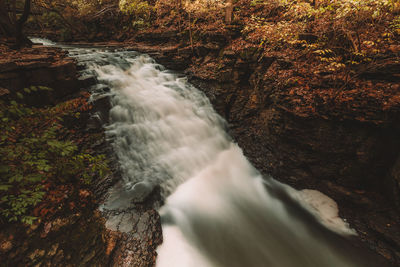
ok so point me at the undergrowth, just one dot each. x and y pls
(36, 152)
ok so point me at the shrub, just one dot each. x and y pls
(139, 10)
(34, 153)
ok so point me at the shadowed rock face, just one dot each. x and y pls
(40, 66)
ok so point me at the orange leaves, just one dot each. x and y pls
(71, 205)
(86, 107)
(43, 210)
(84, 193)
(73, 106)
(54, 200)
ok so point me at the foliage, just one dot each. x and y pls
(76, 19)
(203, 6)
(139, 10)
(353, 31)
(34, 153)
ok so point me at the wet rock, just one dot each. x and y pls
(87, 81)
(102, 106)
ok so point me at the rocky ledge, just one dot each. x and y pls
(39, 66)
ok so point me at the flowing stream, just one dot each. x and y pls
(219, 211)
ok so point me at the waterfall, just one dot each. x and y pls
(219, 211)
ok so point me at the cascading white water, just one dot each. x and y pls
(219, 211)
(164, 131)
(167, 134)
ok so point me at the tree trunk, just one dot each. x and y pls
(228, 11)
(19, 36)
(178, 10)
(6, 26)
(10, 26)
(190, 32)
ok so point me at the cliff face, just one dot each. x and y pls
(39, 66)
(342, 142)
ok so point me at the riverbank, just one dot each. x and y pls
(63, 227)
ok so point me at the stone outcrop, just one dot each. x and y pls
(39, 66)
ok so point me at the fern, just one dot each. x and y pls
(32, 153)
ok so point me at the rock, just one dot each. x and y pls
(7, 66)
(8, 75)
(393, 183)
(87, 81)
(102, 106)
(41, 66)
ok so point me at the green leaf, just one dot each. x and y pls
(4, 169)
(28, 219)
(20, 96)
(16, 178)
(44, 88)
(4, 187)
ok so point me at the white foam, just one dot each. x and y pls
(45, 42)
(176, 251)
(327, 210)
